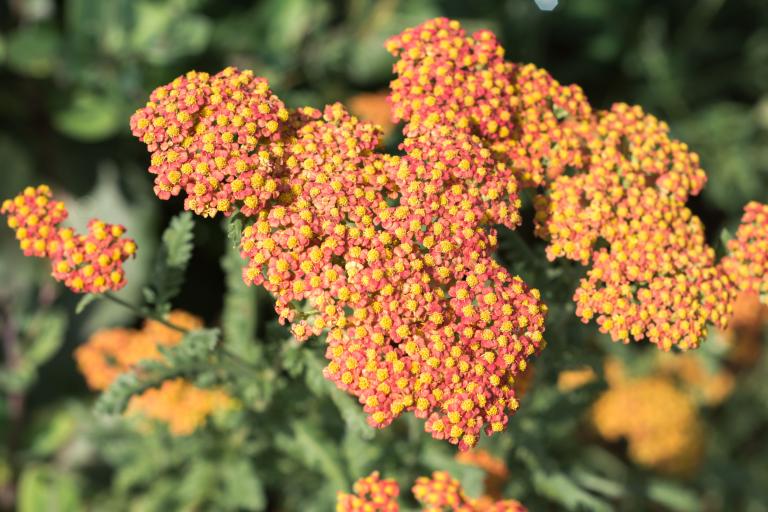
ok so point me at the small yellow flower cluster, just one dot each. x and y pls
(91, 263)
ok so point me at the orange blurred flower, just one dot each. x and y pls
(177, 403)
(373, 107)
(659, 421)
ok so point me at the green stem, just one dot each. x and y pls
(146, 313)
(143, 312)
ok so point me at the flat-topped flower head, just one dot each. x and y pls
(89, 263)
(180, 405)
(450, 358)
(93, 263)
(747, 261)
(441, 492)
(528, 121)
(652, 274)
(204, 133)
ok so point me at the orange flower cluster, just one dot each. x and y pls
(439, 493)
(652, 274)
(571, 380)
(90, 263)
(659, 421)
(747, 263)
(390, 255)
(455, 86)
(178, 403)
(443, 492)
(613, 183)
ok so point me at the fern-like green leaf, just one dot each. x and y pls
(171, 265)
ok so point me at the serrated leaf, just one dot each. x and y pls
(312, 447)
(179, 360)
(194, 346)
(177, 240)
(172, 261)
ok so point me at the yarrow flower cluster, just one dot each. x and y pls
(391, 255)
(437, 493)
(370, 494)
(179, 404)
(85, 263)
(652, 274)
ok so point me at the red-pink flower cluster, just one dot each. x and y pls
(528, 122)
(205, 134)
(439, 493)
(86, 263)
(391, 256)
(747, 262)
(623, 212)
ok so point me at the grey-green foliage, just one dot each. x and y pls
(39, 338)
(171, 264)
(186, 358)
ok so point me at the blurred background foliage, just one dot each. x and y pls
(73, 71)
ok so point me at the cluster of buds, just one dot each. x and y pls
(179, 404)
(390, 255)
(85, 263)
(437, 493)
